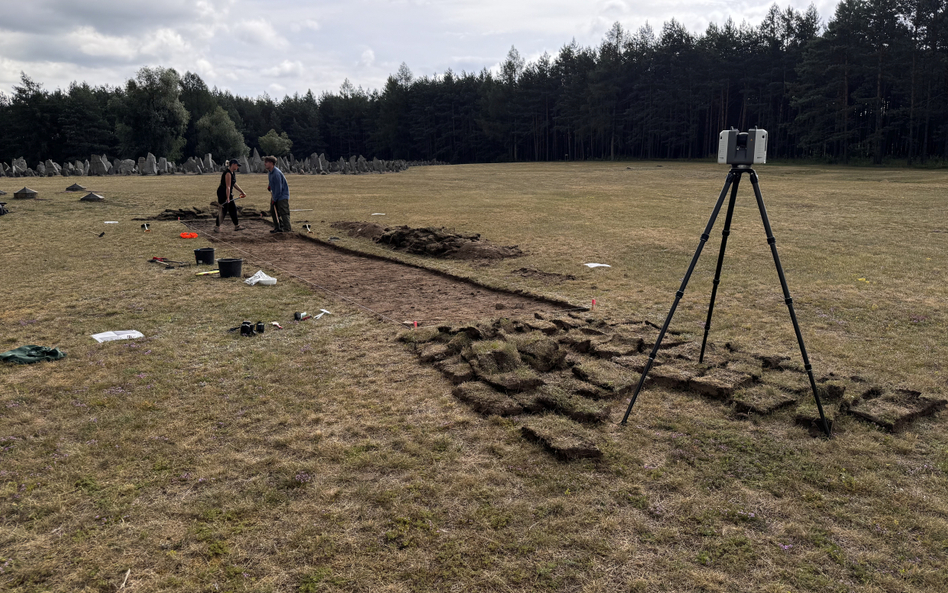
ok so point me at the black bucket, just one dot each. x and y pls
(230, 268)
(204, 255)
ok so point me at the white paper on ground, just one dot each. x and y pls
(111, 222)
(122, 334)
(378, 214)
(597, 265)
(261, 278)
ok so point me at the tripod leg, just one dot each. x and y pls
(717, 272)
(786, 295)
(681, 292)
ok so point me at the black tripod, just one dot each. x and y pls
(732, 182)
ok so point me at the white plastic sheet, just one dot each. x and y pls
(597, 265)
(261, 278)
(122, 334)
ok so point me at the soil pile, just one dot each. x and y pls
(430, 241)
(361, 230)
(204, 213)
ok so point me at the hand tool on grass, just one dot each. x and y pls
(169, 262)
(324, 312)
(208, 272)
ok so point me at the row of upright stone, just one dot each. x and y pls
(100, 165)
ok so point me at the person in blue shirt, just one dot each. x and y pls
(279, 196)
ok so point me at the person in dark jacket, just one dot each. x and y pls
(279, 196)
(225, 195)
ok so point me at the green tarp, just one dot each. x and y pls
(31, 353)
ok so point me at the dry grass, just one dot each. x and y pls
(325, 458)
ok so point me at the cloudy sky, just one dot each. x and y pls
(287, 46)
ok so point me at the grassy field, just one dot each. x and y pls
(324, 458)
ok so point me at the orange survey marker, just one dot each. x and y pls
(189, 235)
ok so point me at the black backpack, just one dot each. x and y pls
(2, 209)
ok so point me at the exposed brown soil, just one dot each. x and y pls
(395, 291)
(430, 241)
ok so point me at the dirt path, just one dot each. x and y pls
(395, 291)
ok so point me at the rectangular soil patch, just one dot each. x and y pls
(485, 400)
(563, 438)
(894, 410)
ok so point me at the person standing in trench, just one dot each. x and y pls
(279, 196)
(225, 195)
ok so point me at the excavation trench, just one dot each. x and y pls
(394, 291)
(559, 372)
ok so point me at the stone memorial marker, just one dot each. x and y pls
(25, 194)
(148, 165)
(97, 166)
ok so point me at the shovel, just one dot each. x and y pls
(168, 263)
(220, 208)
(276, 216)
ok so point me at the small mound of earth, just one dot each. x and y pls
(430, 241)
(361, 230)
(204, 213)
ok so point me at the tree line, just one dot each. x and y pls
(869, 86)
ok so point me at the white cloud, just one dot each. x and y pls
(258, 32)
(305, 24)
(205, 69)
(166, 44)
(92, 43)
(243, 45)
(286, 69)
